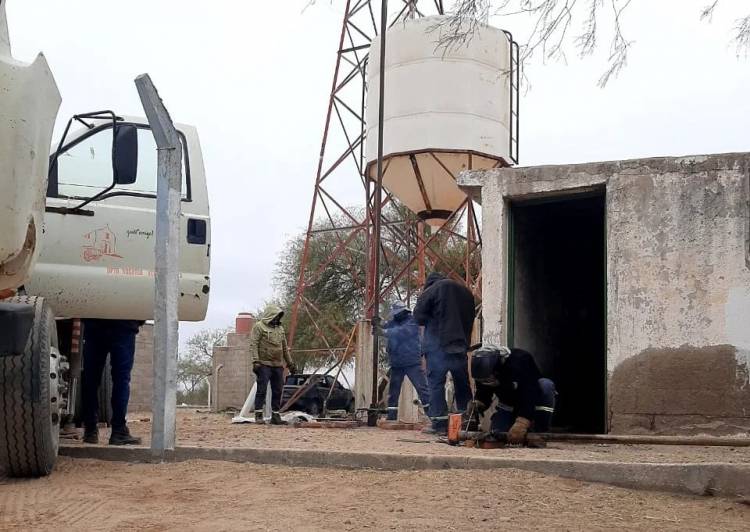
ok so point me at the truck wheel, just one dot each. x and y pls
(32, 396)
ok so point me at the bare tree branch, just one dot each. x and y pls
(618, 52)
(707, 12)
(742, 36)
(551, 22)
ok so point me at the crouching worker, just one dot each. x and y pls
(269, 354)
(405, 354)
(526, 400)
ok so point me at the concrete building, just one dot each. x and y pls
(231, 379)
(232, 375)
(630, 283)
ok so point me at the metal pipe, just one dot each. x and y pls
(615, 439)
(216, 385)
(372, 418)
(208, 382)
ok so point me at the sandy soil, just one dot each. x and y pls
(215, 430)
(198, 495)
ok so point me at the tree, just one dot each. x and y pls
(196, 363)
(338, 292)
(552, 22)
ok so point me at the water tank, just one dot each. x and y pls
(446, 110)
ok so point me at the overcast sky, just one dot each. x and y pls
(254, 76)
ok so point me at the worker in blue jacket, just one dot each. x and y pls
(405, 354)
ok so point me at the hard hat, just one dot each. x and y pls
(485, 360)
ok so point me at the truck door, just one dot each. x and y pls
(98, 261)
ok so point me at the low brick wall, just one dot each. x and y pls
(232, 373)
(142, 376)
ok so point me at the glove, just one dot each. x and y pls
(517, 433)
(256, 366)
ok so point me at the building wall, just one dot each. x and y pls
(231, 384)
(142, 376)
(678, 282)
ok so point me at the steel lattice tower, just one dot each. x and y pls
(412, 249)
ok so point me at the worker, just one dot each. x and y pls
(526, 400)
(446, 308)
(115, 338)
(405, 356)
(269, 355)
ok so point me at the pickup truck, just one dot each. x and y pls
(312, 400)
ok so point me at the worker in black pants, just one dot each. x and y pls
(446, 308)
(269, 354)
(526, 400)
(115, 338)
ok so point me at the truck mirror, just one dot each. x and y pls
(125, 154)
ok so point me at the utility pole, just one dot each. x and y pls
(372, 418)
(167, 290)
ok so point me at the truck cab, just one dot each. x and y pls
(96, 258)
(77, 241)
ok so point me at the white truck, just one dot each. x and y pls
(76, 241)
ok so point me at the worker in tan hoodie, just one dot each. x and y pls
(269, 355)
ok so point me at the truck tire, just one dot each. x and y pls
(31, 397)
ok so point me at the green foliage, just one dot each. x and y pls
(195, 363)
(199, 396)
(336, 289)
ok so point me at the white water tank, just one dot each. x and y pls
(446, 110)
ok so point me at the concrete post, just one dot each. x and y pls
(167, 291)
(363, 366)
(408, 412)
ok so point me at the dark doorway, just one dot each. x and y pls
(557, 301)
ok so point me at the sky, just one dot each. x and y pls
(254, 78)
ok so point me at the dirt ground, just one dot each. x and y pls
(200, 495)
(215, 430)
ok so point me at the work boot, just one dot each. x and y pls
(276, 419)
(259, 418)
(122, 436)
(91, 435)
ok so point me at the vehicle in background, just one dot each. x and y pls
(77, 241)
(312, 400)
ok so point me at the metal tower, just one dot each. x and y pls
(407, 249)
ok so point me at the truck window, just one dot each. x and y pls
(85, 167)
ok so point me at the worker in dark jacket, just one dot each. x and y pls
(525, 399)
(269, 354)
(115, 338)
(405, 354)
(446, 308)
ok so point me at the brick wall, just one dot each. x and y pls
(142, 377)
(232, 382)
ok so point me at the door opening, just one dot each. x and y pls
(557, 301)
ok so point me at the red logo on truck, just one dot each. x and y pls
(100, 243)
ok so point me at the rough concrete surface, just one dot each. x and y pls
(200, 495)
(678, 281)
(689, 469)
